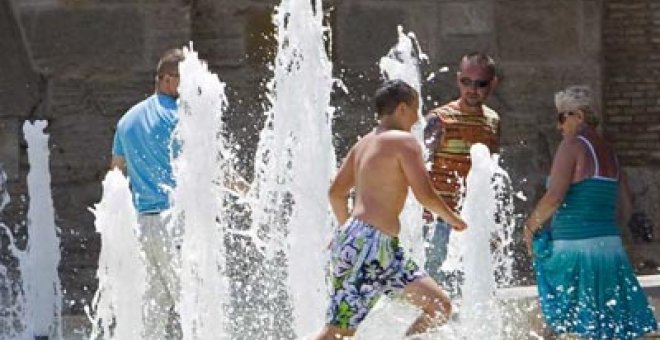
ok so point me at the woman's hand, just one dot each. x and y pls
(528, 237)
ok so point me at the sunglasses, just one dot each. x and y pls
(561, 116)
(478, 83)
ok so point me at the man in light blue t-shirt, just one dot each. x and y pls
(142, 148)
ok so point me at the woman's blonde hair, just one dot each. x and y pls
(578, 97)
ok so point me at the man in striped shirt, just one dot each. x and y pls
(450, 131)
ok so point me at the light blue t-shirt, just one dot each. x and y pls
(143, 138)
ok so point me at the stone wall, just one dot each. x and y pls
(631, 101)
(97, 58)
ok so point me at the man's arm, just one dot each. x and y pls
(413, 167)
(118, 162)
(432, 133)
(340, 188)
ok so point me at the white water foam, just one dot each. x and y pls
(116, 309)
(479, 315)
(200, 170)
(41, 283)
(295, 161)
(12, 299)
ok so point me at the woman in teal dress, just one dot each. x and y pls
(585, 282)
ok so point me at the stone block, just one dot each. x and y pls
(112, 39)
(222, 45)
(537, 31)
(365, 33)
(33, 4)
(80, 148)
(590, 27)
(20, 86)
(466, 18)
(532, 87)
(422, 20)
(167, 25)
(450, 48)
(10, 147)
(105, 96)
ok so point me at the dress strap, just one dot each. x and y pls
(593, 153)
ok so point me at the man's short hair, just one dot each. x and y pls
(169, 62)
(481, 59)
(391, 94)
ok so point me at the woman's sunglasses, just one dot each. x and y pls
(561, 116)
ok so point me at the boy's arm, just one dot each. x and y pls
(413, 168)
(341, 186)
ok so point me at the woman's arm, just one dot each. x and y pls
(561, 176)
(624, 206)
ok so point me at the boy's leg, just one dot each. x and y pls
(427, 295)
(330, 332)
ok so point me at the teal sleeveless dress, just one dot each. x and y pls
(585, 282)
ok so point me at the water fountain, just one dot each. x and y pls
(116, 310)
(291, 221)
(479, 312)
(41, 283)
(289, 191)
(201, 169)
(30, 286)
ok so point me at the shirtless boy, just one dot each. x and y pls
(367, 260)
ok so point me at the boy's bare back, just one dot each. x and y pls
(382, 166)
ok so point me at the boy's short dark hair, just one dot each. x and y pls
(391, 94)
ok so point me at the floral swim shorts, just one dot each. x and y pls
(365, 264)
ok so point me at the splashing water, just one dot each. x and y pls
(295, 161)
(479, 314)
(200, 170)
(403, 62)
(483, 252)
(117, 305)
(4, 192)
(43, 297)
(12, 300)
